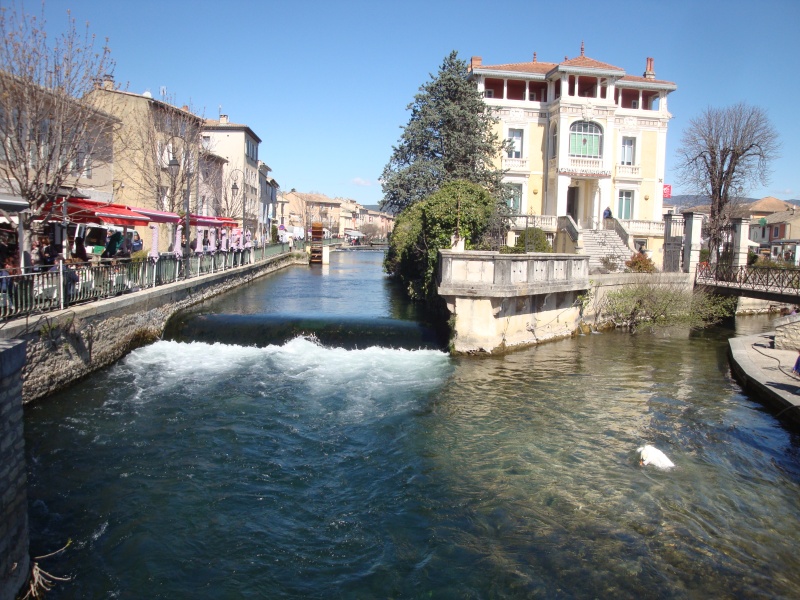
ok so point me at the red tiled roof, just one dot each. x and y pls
(529, 67)
(589, 63)
(635, 79)
(769, 204)
(578, 62)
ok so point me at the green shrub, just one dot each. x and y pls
(653, 302)
(640, 263)
(536, 241)
(426, 227)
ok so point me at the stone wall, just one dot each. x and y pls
(602, 285)
(14, 560)
(787, 333)
(66, 346)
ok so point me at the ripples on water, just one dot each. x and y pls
(209, 471)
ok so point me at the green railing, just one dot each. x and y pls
(69, 284)
(759, 279)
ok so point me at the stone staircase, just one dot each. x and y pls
(600, 243)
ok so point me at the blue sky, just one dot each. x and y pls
(325, 84)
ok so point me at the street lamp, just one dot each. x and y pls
(173, 167)
(234, 193)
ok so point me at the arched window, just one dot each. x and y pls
(585, 139)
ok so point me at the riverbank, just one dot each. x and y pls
(766, 373)
(65, 346)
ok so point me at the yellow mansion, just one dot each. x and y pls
(586, 136)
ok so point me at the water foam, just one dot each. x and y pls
(369, 373)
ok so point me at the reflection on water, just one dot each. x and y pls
(296, 470)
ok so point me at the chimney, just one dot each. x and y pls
(475, 62)
(108, 82)
(534, 57)
(649, 73)
(223, 119)
(185, 108)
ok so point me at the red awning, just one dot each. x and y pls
(82, 210)
(162, 216)
(157, 216)
(207, 221)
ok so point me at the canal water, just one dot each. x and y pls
(194, 469)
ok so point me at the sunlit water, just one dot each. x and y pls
(194, 470)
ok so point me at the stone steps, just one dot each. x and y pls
(598, 244)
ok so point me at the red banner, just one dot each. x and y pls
(667, 191)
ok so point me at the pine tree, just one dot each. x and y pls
(448, 137)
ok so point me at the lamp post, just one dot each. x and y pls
(173, 167)
(234, 193)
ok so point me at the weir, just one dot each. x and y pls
(276, 329)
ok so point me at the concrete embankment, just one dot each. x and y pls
(766, 373)
(66, 346)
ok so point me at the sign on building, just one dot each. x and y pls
(667, 191)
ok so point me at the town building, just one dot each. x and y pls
(339, 216)
(585, 136)
(238, 145)
(152, 135)
(268, 197)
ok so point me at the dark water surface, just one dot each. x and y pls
(293, 470)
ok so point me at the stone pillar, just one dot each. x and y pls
(673, 243)
(14, 559)
(562, 185)
(741, 234)
(692, 241)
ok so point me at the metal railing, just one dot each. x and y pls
(68, 284)
(760, 279)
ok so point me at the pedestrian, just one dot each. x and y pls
(137, 243)
(80, 250)
(607, 213)
(796, 369)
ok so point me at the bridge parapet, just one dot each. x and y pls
(765, 283)
(495, 275)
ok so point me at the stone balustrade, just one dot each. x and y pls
(491, 274)
(505, 300)
(643, 228)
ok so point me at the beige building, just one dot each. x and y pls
(585, 136)
(337, 215)
(152, 137)
(238, 145)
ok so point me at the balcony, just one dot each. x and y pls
(516, 165)
(547, 223)
(629, 171)
(579, 166)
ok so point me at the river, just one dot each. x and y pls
(302, 470)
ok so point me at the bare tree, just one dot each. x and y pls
(230, 203)
(49, 130)
(723, 153)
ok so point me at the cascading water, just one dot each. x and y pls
(296, 469)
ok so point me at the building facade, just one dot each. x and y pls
(585, 136)
(152, 134)
(238, 145)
